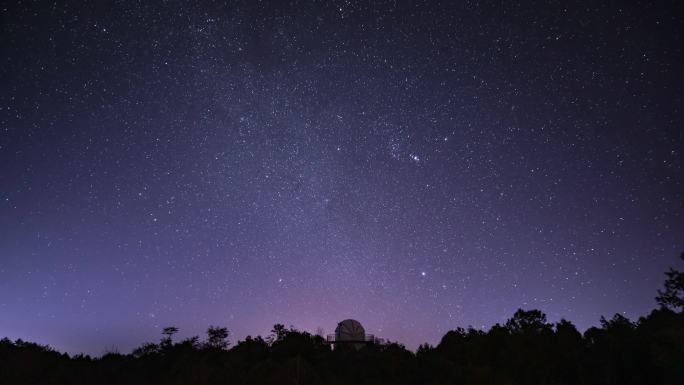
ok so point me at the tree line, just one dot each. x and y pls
(525, 350)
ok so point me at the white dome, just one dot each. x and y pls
(350, 330)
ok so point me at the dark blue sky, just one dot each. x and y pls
(417, 166)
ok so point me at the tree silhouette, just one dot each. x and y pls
(278, 332)
(168, 332)
(526, 321)
(217, 337)
(673, 296)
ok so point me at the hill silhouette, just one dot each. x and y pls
(527, 349)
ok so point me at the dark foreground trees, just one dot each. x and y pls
(526, 350)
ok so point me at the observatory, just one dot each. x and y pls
(350, 332)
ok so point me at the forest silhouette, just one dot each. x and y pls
(526, 350)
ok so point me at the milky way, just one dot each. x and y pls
(416, 166)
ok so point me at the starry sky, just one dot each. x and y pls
(417, 166)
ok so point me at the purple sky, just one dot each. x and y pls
(414, 166)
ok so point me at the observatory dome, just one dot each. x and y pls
(350, 330)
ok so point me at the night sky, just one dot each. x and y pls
(417, 167)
